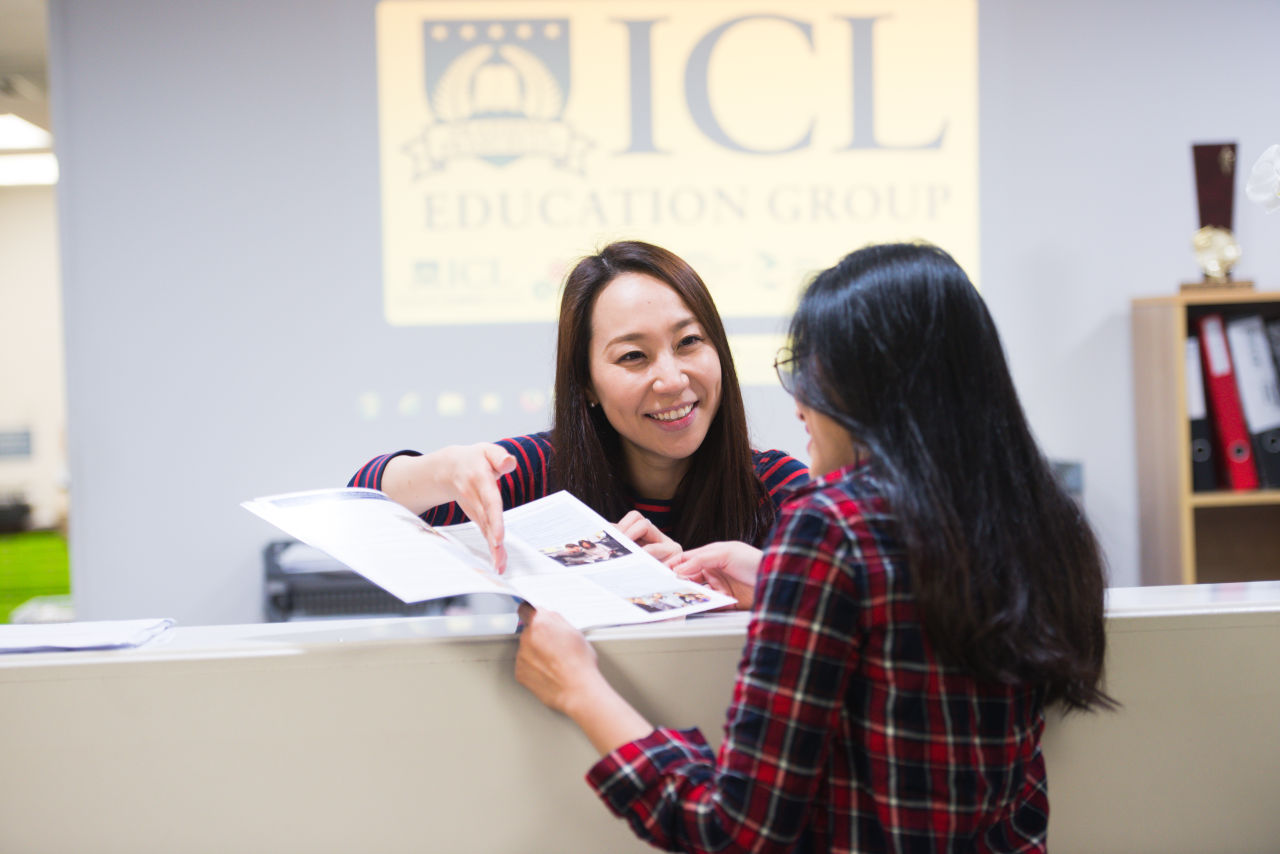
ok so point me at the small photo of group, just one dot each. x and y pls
(596, 548)
(669, 600)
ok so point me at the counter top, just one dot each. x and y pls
(295, 638)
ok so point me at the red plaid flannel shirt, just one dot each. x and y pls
(845, 732)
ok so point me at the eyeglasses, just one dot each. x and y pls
(786, 365)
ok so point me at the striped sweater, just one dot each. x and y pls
(778, 472)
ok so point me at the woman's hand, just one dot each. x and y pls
(467, 474)
(555, 661)
(646, 535)
(729, 568)
(559, 667)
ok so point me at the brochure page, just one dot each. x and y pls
(561, 555)
(380, 539)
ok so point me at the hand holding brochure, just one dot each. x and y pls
(561, 555)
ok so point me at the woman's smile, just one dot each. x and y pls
(677, 417)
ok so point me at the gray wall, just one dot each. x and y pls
(1088, 113)
(220, 252)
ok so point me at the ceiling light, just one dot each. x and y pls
(25, 170)
(18, 134)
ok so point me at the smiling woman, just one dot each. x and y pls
(655, 377)
(649, 423)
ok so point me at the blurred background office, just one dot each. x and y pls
(266, 254)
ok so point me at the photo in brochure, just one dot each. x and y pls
(591, 549)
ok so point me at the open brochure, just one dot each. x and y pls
(561, 556)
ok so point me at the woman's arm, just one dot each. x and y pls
(467, 474)
(557, 664)
(788, 698)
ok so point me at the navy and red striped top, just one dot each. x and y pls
(530, 480)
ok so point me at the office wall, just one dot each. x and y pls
(220, 244)
(1088, 114)
(32, 393)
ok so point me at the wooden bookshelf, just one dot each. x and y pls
(1191, 537)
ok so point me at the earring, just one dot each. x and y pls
(593, 404)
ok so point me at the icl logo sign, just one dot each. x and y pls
(697, 92)
(759, 146)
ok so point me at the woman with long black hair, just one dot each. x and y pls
(916, 608)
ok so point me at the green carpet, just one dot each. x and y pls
(32, 564)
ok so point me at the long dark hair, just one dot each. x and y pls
(720, 497)
(895, 343)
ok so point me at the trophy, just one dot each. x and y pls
(1215, 246)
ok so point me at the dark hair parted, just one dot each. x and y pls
(720, 497)
(896, 344)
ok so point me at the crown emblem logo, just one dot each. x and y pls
(497, 91)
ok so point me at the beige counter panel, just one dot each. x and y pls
(412, 735)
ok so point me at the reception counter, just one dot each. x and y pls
(411, 734)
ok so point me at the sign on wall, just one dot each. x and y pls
(758, 142)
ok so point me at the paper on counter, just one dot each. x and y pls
(101, 634)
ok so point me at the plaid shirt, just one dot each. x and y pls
(845, 732)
